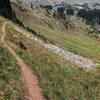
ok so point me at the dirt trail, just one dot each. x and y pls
(29, 78)
(3, 30)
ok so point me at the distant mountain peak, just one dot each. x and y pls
(43, 2)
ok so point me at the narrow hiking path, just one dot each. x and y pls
(29, 79)
(3, 30)
(78, 60)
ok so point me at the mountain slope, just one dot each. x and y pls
(53, 31)
(56, 76)
(52, 2)
(59, 79)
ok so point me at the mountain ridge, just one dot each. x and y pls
(52, 2)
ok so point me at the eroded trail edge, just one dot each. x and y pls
(29, 78)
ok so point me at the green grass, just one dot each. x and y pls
(75, 40)
(58, 79)
(11, 87)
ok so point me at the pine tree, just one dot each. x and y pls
(5, 8)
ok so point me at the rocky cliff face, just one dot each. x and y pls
(5, 8)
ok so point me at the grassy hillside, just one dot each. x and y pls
(11, 84)
(58, 79)
(75, 40)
